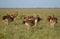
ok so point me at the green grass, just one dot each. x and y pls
(17, 30)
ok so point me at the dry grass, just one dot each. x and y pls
(17, 30)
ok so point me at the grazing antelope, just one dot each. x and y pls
(52, 20)
(9, 18)
(31, 20)
(28, 22)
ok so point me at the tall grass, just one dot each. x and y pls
(17, 30)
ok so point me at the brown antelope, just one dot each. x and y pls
(28, 22)
(31, 20)
(52, 20)
(9, 18)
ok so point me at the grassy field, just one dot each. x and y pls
(17, 30)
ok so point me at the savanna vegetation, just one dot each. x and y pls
(17, 30)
